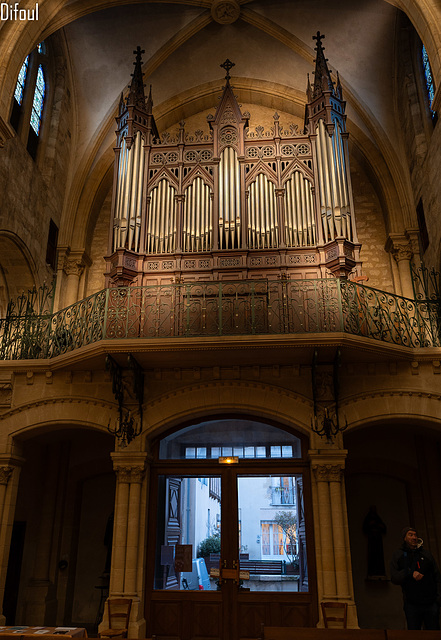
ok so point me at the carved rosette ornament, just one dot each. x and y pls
(5, 474)
(327, 472)
(225, 11)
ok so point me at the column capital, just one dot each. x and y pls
(400, 246)
(327, 472)
(328, 466)
(402, 252)
(129, 468)
(73, 267)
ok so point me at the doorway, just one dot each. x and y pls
(232, 546)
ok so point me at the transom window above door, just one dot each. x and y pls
(246, 439)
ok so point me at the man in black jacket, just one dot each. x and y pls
(415, 570)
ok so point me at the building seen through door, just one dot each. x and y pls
(232, 530)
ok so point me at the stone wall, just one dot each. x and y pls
(33, 191)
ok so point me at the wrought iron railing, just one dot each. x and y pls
(223, 309)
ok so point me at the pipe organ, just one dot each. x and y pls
(231, 203)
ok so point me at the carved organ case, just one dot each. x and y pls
(232, 204)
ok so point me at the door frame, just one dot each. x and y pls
(273, 608)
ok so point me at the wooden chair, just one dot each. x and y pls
(336, 613)
(119, 615)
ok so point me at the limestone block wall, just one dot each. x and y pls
(421, 137)
(371, 230)
(33, 191)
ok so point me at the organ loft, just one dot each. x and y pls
(231, 203)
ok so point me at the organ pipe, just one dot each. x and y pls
(262, 217)
(332, 182)
(299, 225)
(129, 195)
(229, 200)
(161, 223)
(197, 225)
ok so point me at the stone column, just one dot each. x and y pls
(126, 574)
(403, 255)
(73, 269)
(9, 476)
(334, 571)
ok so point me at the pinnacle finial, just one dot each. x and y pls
(322, 76)
(136, 95)
(227, 65)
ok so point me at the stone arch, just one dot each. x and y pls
(80, 413)
(251, 399)
(17, 270)
(392, 464)
(379, 406)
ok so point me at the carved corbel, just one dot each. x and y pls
(5, 474)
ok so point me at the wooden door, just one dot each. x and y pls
(281, 589)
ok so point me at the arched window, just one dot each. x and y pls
(37, 102)
(19, 87)
(430, 87)
(29, 97)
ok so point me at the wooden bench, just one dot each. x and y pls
(263, 567)
(311, 633)
(255, 567)
(402, 634)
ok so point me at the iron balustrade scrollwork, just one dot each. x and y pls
(218, 308)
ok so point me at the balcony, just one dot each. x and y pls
(218, 309)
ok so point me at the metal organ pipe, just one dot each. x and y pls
(140, 194)
(299, 226)
(341, 167)
(197, 224)
(327, 198)
(161, 224)
(229, 200)
(135, 186)
(262, 217)
(129, 192)
(333, 190)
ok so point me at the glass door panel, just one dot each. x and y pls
(271, 528)
(188, 540)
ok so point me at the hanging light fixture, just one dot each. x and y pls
(325, 421)
(128, 425)
(326, 425)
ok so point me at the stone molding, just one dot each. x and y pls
(63, 400)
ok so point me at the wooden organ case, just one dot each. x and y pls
(232, 204)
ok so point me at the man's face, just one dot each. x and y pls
(411, 539)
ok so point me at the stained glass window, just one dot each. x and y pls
(19, 87)
(41, 47)
(37, 103)
(429, 78)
